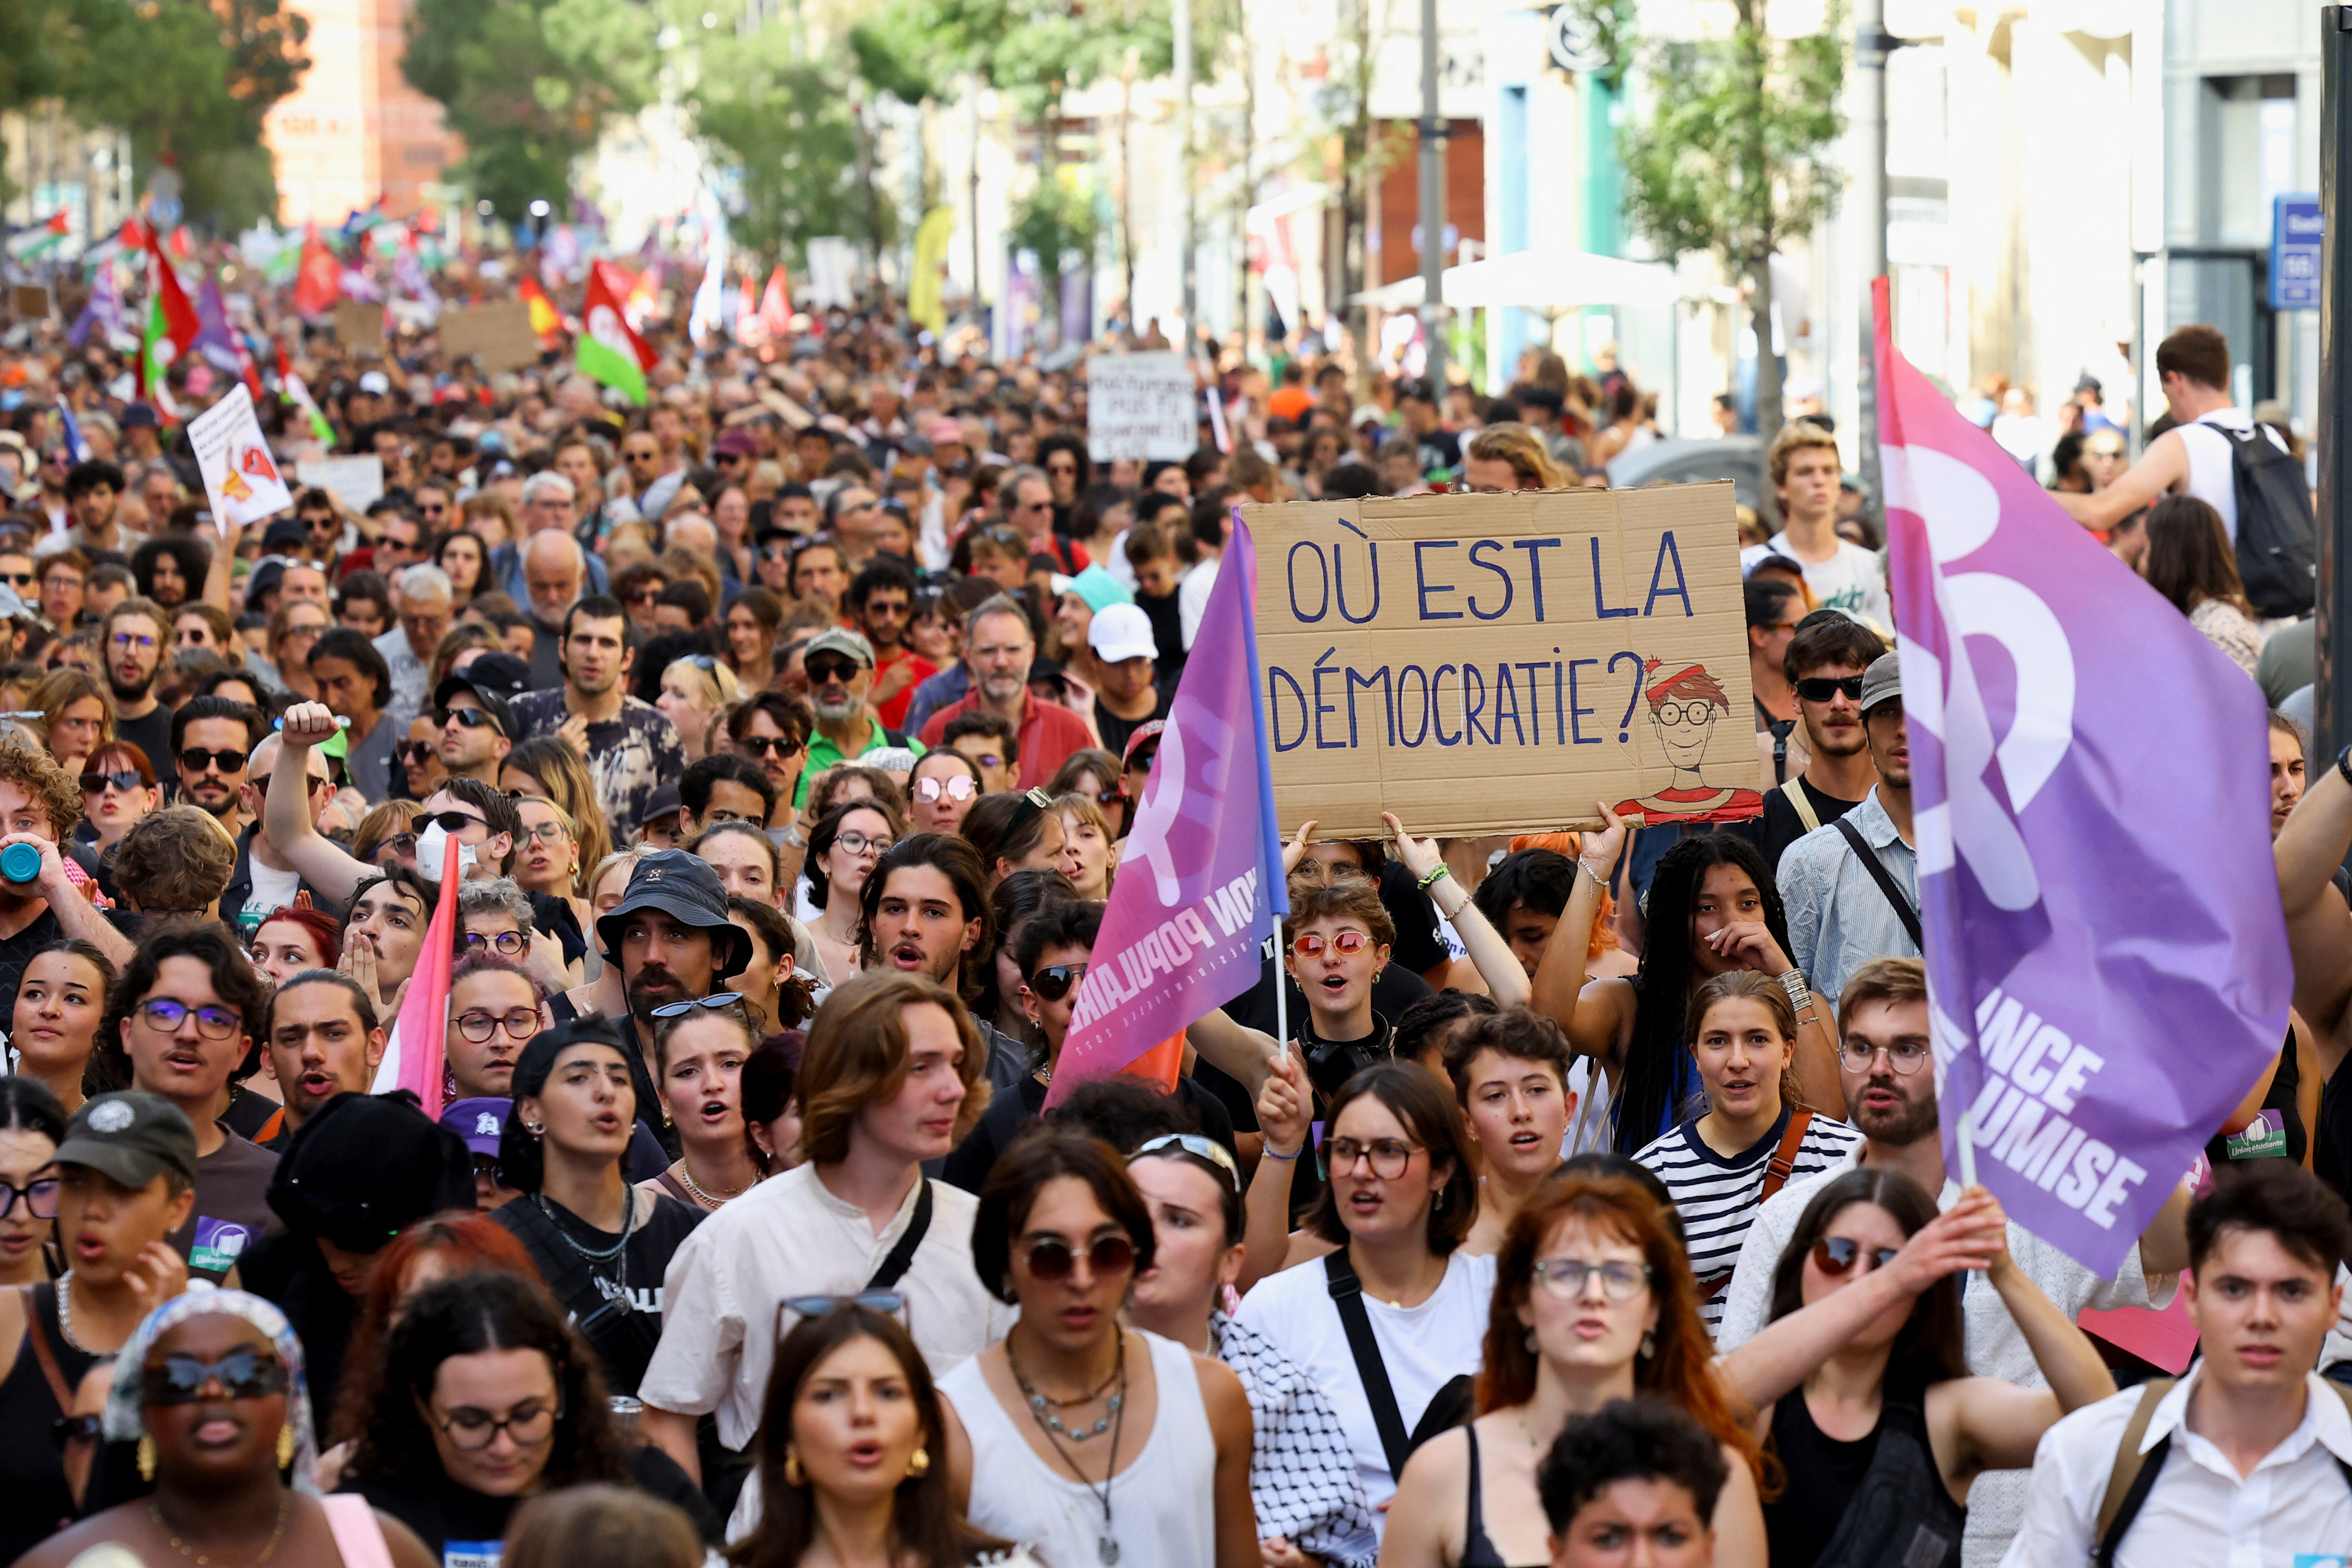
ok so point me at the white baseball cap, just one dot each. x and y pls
(1121, 632)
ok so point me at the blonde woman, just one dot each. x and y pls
(548, 860)
(1508, 457)
(549, 765)
(78, 716)
(1090, 849)
(696, 693)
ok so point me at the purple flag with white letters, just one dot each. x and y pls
(1199, 881)
(2090, 776)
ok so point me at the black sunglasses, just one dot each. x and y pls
(469, 717)
(825, 671)
(194, 758)
(1821, 688)
(764, 745)
(243, 1374)
(1052, 983)
(414, 751)
(1051, 1258)
(1834, 1255)
(716, 999)
(121, 778)
(454, 821)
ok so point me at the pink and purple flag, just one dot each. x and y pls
(1201, 880)
(2106, 959)
(417, 1053)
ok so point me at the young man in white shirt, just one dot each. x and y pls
(1806, 469)
(2252, 1452)
(902, 1064)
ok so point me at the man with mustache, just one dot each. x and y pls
(671, 939)
(840, 666)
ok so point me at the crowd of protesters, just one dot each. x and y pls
(783, 734)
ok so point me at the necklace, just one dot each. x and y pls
(628, 1223)
(198, 1558)
(64, 1312)
(708, 1200)
(1042, 1408)
(1106, 1544)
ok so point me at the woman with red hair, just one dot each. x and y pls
(1593, 1302)
(293, 938)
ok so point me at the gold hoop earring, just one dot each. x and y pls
(918, 1463)
(146, 1459)
(794, 1475)
(286, 1447)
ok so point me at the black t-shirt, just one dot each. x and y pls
(969, 1163)
(151, 733)
(1115, 730)
(585, 1287)
(1394, 990)
(554, 917)
(1167, 617)
(463, 1529)
(1781, 826)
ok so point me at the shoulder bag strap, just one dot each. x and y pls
(1801, 803)
(358, 1539)
(1348, 1296)
(1784, 1164)
(1885, 880)
(42, 1353)
(901, 1256)
(2134, 1474)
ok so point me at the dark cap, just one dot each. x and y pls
(686, 888)
(664, 801)
(488, 696)
(139, 416)
(1881, 682)
(130, 1137)
(360, 1168)
(287, 530)
(500, 672)
(478, 1122)
(738, 442)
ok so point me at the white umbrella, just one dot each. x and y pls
(1550, 282)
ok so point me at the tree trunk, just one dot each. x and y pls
(1768, 366)
(1127, 191)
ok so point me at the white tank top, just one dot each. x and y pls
(2210, 477)
(1162, 1500)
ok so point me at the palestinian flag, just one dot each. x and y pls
(609, 351)
(545, 319)
(297, 393)
(173, 324)
(31, 244)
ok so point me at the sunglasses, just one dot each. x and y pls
(1052, 1260)
(454, 821)
(40, 1196)
(930, 790)
(242, 1373)
(716, 999)
(825, 671)
(399, 844)
(766, 745)
(1208, 1149)
(19, 579)
(1821, 688)
(469, 717)
(1348, 942)
(121, 778)
(1834, 1255)
(228, 760)
(645, 597)
(791, 1309)
(1052, 983)
(414, 751)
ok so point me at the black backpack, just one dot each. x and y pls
(2278, 551)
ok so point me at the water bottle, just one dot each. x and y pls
(20, 863)
(625, 1412)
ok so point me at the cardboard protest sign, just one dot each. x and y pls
(1498, 663)
(499, 336)
(241, 478)
(1142, 406)
(30, 300)
(357, 482)
(359, 324)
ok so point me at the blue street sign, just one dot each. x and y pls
(2296, 226)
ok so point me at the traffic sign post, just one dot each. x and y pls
(2297, 227)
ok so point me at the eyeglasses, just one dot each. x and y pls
(825, 673)
(399, 844)
(716, 999)
(1141, 761)
(121, 778)
(1388, 1156)
(1695, 711)
(163, 1014)
(1905, 1056)
(1821, 688)
(766, 745)
(530, 1424)
(226, 760)
(546, 833)
(1052, 1260)
(1565, 1278)
(521, 1024)
(36, 1193)
(128, 640)
(467, 718)
(1834, 1255)
(508, 943)
(957, 788)
(860, 843)
(454, 821)
(1208, 1149)
(1052, 983)
(243, 1374)
(1348, 942)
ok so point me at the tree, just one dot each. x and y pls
(787, 125)
(1733, 157)
(1057, 222)
(529, 84)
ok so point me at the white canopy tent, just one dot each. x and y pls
(1550, 283)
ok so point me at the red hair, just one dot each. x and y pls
(1691, 681)
(469, 1241)
(325, 934)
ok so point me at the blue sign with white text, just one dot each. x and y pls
(2296, 226)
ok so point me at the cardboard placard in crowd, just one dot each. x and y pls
(241, 478)
(1141, 406)
(30, 301)
(359, 324)
(499, 335)
(1486, 664)
(357, 482)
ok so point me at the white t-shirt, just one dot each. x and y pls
(272, 890)
(2211, 479)
(1422, 1347)
(1853, 580)
(1192, 598)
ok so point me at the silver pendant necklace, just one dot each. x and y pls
(1114, 1418)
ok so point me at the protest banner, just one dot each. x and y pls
(29, 302)
(1141, 406)
(500, 336)
(241, 478)
(359, 324)
(2098, 1006)
(357, 482)
(1499, 663)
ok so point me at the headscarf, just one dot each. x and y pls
(125, 1423)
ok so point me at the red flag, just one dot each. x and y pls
(318, 283)
(616, 284)
(776, 304)
(748, 331)
(425, 1012)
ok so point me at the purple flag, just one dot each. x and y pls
(214, 341)
(2106, 958)
(1201, 879)
(104, 310)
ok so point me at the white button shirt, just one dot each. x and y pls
(2294, 1511)
(790, 1237)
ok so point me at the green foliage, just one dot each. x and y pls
(1032, 50)
(1057, 221)
(529, 84)
(787, 126)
